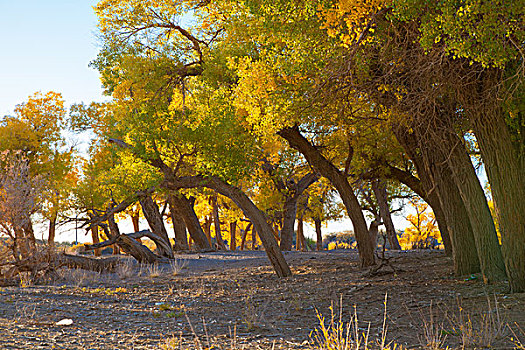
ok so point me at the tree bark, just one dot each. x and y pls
(179, 226)
(250, 210)
(207, 229)
(318, 233)
(379, 189)
(505, 166)
(217, 223)
(129, 244)
(52, 230)
(245, 234)
(233, 238)
(439, 190)
(340, 181)
(289, 214)
(301, 244)
(135, 218)
(485, 236)
(152, 215)
(184, 206)
(374, 231)
(95, 239)
(114, 232)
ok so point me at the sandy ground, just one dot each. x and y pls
(234, 300)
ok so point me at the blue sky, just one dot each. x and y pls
(47, 45)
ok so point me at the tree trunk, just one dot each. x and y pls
(184, 206)
(485, 236)
(130, 246)
(207, 229)
(439, 190)
(217, 223)
(300, 234)
(52, 231)
(425, 189)
(374, 231)
(233, 238)
(245, 234)
(95, 239)
(340, 182)
(114, 231)
(250, 210)
(179, 227)
(318, 233)
(136, 227)
(254, 238)
(152, 215)
(289, 214)
(505, 166)
(379, 189)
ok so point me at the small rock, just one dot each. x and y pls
(65, 322)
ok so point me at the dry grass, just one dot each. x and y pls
(80, 278)
(125, 269)
(336, 334)
(177, 265)
(481, 331)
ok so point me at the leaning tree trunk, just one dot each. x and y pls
(217, 223)
(250, 210)
(439, 190)
(245, 234)
(485, 236)
(505, 166)
(179, 227)
(465, 255)
(184, 206)
(379, 189)
(152, 215)
(340, 181)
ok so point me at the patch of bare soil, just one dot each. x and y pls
(234, 300)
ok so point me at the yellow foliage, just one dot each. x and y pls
(348, 19)
(423, 231)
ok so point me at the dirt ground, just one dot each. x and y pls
(234, 300)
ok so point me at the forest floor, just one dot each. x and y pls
(234, 300)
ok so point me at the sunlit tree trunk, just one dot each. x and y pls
(95, 239)
(233, 238)
(114, 232)
(152, 215)
(135, 218)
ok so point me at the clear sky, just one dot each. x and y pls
(47, 45)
